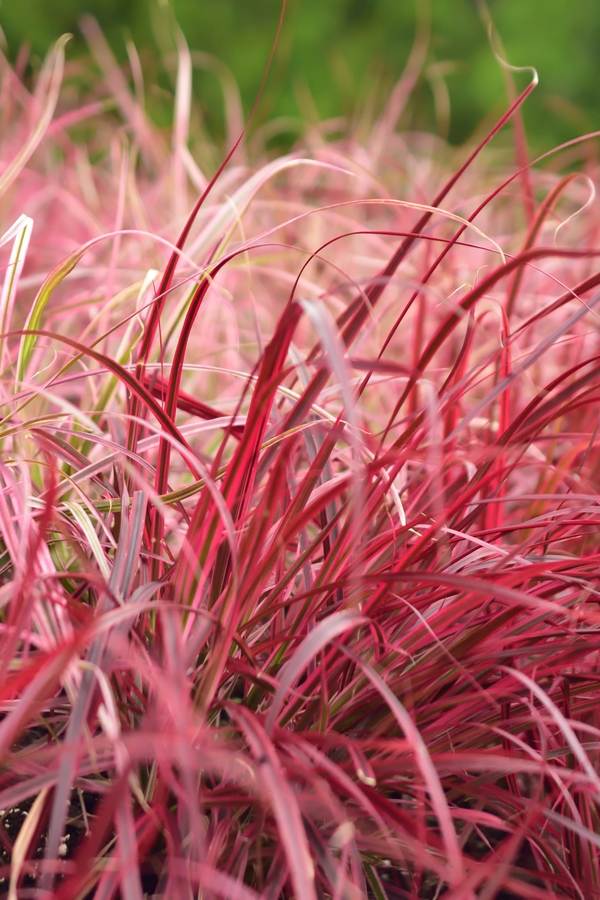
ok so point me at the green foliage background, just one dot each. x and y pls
(336, 54)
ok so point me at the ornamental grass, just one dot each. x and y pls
(299, 506)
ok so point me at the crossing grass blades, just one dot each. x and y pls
(299, 507)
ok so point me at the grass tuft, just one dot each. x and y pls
(299, 507)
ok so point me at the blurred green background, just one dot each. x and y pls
(336, 56)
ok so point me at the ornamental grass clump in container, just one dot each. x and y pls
(299, 507)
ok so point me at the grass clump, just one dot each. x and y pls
(299, 510)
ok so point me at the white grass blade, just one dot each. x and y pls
(20, 234)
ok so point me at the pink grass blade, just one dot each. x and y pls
(284, 803)
(425, 764)
(49, 87)
(126, 558)
(169, 272)
(137, 389)
(148, 139)
(323, 634)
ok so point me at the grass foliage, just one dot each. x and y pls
(299, 507)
